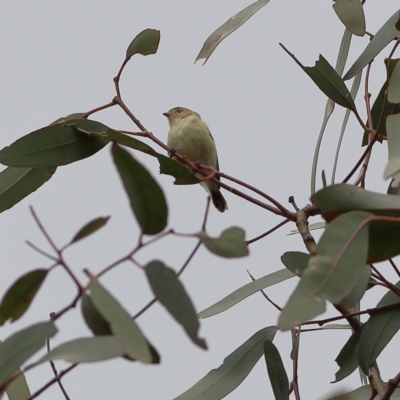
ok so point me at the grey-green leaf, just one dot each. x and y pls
(230, 244)
(382, 38)
(295, 261)
(332, 272)
(351, 13)
(91, 349)
(170, 292)
(90, 228)
(276, 371)
(122, 325)
(21, 346)
(246, 291)
(17, 183)
(378, 331)
(223, 380)
(347, 359)
(145, 43)
(392, 169)
(51, 146)
(146, 197)
(18, 389)
(227, 28)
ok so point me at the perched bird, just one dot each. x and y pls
(190, 137)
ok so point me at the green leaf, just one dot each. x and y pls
(339, 199)
(294, 354)
(170, 292)
(87, 126)
(358, 290)
(246, 291)
(146, 197)
(384, 236)
(87, 350)
(67, 118)
(378, 331)
(329, 82)
(51, 146)
(227, 28)
(351, 13)
(223, 380)
(332, 272)
(94, 320)
(347, 359)
(90, 228)
(230, 244)
(128, 141)
(182, 175)
(381, 109)
(145, 43)
(20, 346)
(123, 327)
(295, 261)
(18, 389)
(276, 371)
(20, 295)
(394, 86)
(381, 39)
(392, 169)
(17, 183)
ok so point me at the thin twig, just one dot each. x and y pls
(391, 387)
(268, 232)
(52, 382)
(394, 267)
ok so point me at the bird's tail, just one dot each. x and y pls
(218, 200)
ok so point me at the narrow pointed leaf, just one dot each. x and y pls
(128, 141)
(351, 13)
(329, 82)
(94, 320)
(295, 261)
(347, 359)
(332, 272)
(20, 295)
(21, 346)
(17, 183)
(362, 393)
(145, 43)
(122, 325)
(381, 108)
(87, 350)
(90, 228)
(392, 169)
(146, 197)
(394, 85)
(276, 371)
(170, 292)
(18, 389)
(227, 28)
(378, 331)
(223, 380)
(246, 291)
(51, 146)
(87, 126)
(358, 290)
(382, 38)
(230, 244)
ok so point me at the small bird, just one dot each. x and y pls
(190, 137)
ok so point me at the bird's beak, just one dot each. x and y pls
(166, 114)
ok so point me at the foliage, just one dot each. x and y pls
(361, 228)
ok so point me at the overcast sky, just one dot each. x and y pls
(264, 113)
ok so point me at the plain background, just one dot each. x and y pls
(60, 57)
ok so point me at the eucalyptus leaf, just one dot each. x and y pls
(145, 43)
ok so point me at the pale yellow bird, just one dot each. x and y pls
(190, 137)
